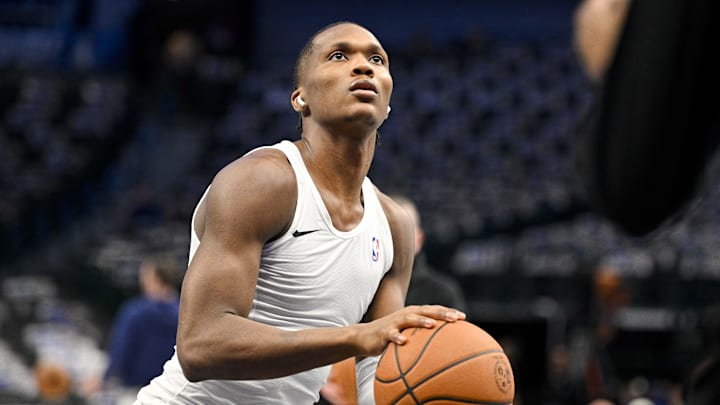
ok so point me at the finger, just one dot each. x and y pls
(454, 315)
(442, 313)
(417, 321)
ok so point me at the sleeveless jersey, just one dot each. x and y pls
(312, 276)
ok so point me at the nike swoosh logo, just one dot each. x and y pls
(301, 233)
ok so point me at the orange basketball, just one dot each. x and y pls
(453, 363)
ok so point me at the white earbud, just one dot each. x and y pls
(389, 109)
(301, 101)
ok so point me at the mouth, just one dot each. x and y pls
(365, 86)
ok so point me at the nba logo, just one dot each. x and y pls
(375, 249)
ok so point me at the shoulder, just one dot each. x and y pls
(255, 193)
(264, 167)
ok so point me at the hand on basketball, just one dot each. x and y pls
(375, 336)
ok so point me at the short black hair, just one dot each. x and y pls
(303, 56)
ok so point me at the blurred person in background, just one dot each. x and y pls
(609, 295)
(143, 333)
(584, 371)
(428, 285)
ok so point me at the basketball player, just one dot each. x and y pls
(293, 246)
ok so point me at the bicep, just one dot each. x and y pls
(240, 213)
(220, 278)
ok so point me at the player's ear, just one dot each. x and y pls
(299, 104)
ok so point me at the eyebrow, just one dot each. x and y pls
(373, 48)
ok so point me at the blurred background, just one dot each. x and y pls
(115, 115)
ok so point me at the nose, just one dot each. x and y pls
(363, 67)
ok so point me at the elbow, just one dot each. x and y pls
(193, 361)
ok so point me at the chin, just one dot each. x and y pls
(366, 120)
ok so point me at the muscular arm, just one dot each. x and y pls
(250, 202)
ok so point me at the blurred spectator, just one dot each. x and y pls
(584, 371)
(558, 388)
(177, 82)
(427, 285)
(143, 334)
(609, 295)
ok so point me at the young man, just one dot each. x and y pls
(293, 246)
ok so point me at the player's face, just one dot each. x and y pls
(348, 76)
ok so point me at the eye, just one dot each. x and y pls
(377, 59)
(337, 55)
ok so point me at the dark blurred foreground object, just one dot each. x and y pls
(654, 125)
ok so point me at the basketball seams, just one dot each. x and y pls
(455, 363)
(410, 366)
(402, 373)
(424, 348)
(414, 363)
(410, 390)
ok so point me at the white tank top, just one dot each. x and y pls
(312, 276)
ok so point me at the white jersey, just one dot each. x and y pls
(313, 276)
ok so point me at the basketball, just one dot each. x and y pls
(452, 363)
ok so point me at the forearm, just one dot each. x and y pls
(236, 348)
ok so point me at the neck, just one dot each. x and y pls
(338, 163)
